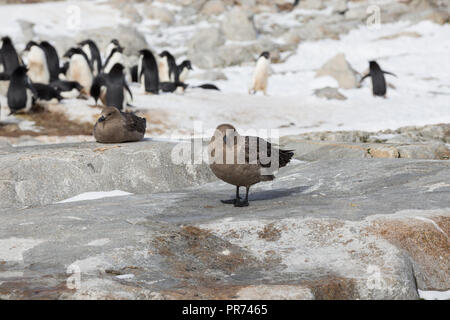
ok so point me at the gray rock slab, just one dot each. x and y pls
(321, 230)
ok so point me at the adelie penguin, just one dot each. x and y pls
(118, 94)
(46, 93)
(148, 72)
(90, 48)
(116, 56)
(183, 70)
(52, 60)
(36, 60)
(115, 126)
(168, 70)
(172, 86)
(378, 80)
(9, 58)
(67, 89)
(21, 93)
(243, 161)
(261, 74)
(114, 43)
(79, 69)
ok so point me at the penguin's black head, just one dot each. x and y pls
(29, 45)
(6, 40)
(373, 65)
(73, 51)
(165, 53)
(145, 52)
(265, 54)
(115, 42)
(117, 69)
(186, 64)
(20, 71)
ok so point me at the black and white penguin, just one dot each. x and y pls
(90, 48)
(98, 88)
(148, 72)
(118, 94)
(114, 43)
(208, 86)
(378, 80)
(80, 69)
(9, 58)
(46, 93)
(172, 86)
(21, 93)
(67, 89)
(52, 60)
(115, 56)
(167, 67)
(261, 74)
(183, 70)
(36, 60)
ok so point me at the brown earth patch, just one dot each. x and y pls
(270, 233)
(49, 123)
(333, 288)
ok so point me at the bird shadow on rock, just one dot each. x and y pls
(277, 193)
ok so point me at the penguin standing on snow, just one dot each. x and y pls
(183, 70)
(114, 43)
(378, 80)
(118, 94)
(52, 60)
(90, 48)
(261, 74)
(114, 57)
(80, 69)
(167, 67)
(8, 56)
(38, 70)
(21, 94)
(148, 72)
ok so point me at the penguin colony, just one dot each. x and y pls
(39, 76)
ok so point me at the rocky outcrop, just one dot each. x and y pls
(342, 229)
(237, 26)
(34, 176)
(339, 68)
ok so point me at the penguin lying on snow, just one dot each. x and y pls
(112, 88)
(261, 74)
(256, 153)
(8, 56)
(46, 93)
(172, 86)
(148, 72)
(90, 48)
(21, 93)
(67, 89)
(38, 70)
(115, 126)
(378, 80)
(80, 68)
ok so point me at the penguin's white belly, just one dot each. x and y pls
(261, 75)
(37, 66)
(29, 103)
(163, 69)
(80, 71)
(73, 94)
(116, 58)
(184, 74)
